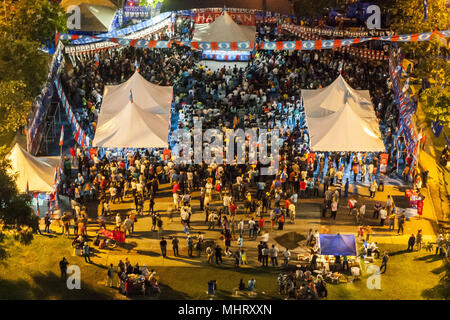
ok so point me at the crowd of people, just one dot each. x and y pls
(266, 93)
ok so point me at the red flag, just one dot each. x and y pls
(61, 138)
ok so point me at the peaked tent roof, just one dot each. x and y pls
(38, 172)
(340, 118)
(344, 130)
(337, 244)
(223, 29)
(325, 101)
(141, 123)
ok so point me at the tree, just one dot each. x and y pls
(429, 56)
(312, 9)
(21, 60)
(34, 20)
(15, 104)
(25, 27)
(15, 209)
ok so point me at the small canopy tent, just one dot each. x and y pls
(38, 172)
(134, 114)
(223, 29)
(340, 118)
(337, 244)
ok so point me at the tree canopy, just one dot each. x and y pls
(429, 56)
(25, 27)
(15, 210)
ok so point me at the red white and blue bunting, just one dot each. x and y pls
(78, 133)
(264, 45)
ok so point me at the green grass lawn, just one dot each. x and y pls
(409, 275)
(32, 272)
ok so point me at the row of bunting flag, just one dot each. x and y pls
(78, 133)
(263, 45)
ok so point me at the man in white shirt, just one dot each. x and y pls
(251, 227)
(274, 255)
(241, 227)
(383, 216)
(286, 255)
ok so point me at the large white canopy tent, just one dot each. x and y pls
(134, 114)
(38, 172)
(223, 29)
(340, 118)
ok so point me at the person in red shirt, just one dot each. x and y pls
(261, 223)
(281, 222)
(175, 187)
(72, 154)
(233, 208)
(92, 153)
(287, 203)
(302, 188)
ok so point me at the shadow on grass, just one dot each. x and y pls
(47, 286)
(429, 258)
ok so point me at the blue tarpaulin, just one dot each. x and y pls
(337, 244)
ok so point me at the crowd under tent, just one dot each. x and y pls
(37, 172)
(340, 118)
(134, 114)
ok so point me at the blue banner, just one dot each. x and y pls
(123, 32)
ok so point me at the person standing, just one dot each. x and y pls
(383, 215)
(419, 240)
(274, 255)
(260, 248)
(401, 221)
(218, 254)
(190, 244)
(241, 227)
(163, 245)
(110, 276)
(47, 223)
(334, 208)
(373, 189)
(86, 253)
(159, 223)
(346, 188)
(265, 256)
(251, 228)
(63, 267)
(281, 222)
(384, 262)
(209, 254)
(286, 255)
(439, 245)
(175, 246)
(411, 242)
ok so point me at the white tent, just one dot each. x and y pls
(340, 118)
(38, 172)
(223, 29)
(141, 123)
